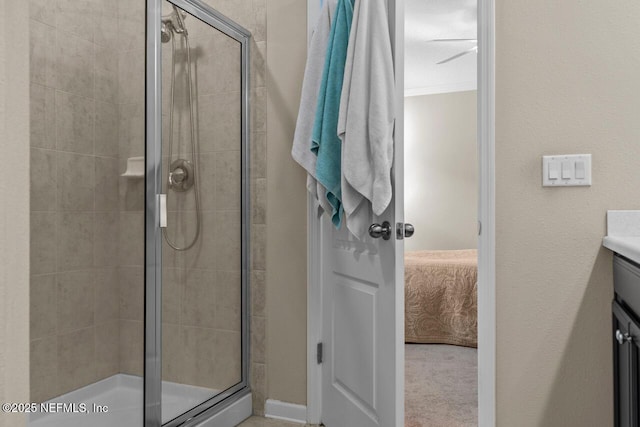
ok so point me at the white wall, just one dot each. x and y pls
(441, 171)
(567, 82)
(14, 207)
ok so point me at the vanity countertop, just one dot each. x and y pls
(623, 234)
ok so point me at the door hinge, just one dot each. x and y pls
(319, 353)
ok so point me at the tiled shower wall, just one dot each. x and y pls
(87, 286)
(74, 191)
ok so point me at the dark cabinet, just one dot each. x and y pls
(626, 342)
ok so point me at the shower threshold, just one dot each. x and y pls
(117, 401)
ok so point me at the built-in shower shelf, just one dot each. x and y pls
(135, 168)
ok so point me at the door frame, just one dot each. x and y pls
(486, 218)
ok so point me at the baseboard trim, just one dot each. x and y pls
(285, 411)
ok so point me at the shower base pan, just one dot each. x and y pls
(121, 395)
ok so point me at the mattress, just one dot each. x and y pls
(441, 304)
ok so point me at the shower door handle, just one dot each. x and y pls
(162, 205)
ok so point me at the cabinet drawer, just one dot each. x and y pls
(626, 282)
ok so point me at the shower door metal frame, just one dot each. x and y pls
(153, 233)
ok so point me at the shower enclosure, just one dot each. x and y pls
(140, 222)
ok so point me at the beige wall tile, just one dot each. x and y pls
(259, 246)
(212, 299)
(260, 12)
(204, 254)
(258, 339)
(76, 359)
(227, 240)
(131, 239)
(107, 295)
(228, 359)
(131, 77)
(131, 129)
(76, 17)
(259, 110)
(106, 189)
(228, 180)
(74, 70)
(107, 344)
(258, 293)
(75, 116)
(223, 63)
(130, 24)
(172, 354)
(106, 68)
(258, 387)
(227, 304)
(43, 11)
(172, 288)
(43, 180)
(218, 372)
(198, 298)
(75, 300)
(105, 241)
(258, 155)
(76, 182)
(42, 120)
(44, 368)
(131, 347)
(259, 202)
(75, 240)
(105, 30)
(106, 130)
(221, 128)
(131, 281)
(131, 192)
(258, 63)
(43, 243)
(43, 306)
(42, 45)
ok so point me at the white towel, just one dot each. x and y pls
(367, 114)
(301, 150)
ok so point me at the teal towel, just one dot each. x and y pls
(325, 142)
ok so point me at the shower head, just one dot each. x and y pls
(165, 31)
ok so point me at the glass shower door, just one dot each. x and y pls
(197, 203)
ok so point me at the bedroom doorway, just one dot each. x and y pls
(441, 201)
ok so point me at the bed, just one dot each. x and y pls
(441, 297)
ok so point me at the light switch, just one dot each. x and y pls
(553, 171)
(566, 170)
(580, 170)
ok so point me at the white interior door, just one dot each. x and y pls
(363, 302)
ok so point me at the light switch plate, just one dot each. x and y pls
(566, 170)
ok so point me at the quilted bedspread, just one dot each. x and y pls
(441, 304)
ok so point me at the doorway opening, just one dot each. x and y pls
(441, 201)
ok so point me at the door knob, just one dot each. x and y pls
(376, 230)
(408, 230)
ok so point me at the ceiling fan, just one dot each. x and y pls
(466, 52)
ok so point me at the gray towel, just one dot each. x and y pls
(301, 150)
(367, 117)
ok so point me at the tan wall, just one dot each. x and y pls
(14, 208)
(286, 208)
(441, 171)
(567, 82)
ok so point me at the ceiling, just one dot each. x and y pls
(439, 19)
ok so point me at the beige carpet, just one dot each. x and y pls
(441, 386)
